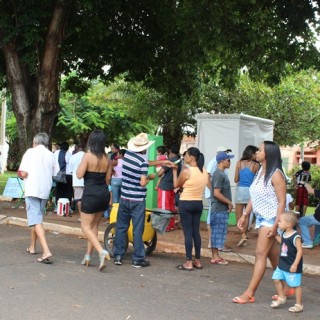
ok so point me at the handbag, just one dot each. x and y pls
(60, 177)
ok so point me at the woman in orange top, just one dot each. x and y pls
(193, 179)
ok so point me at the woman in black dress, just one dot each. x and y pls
(96, 169)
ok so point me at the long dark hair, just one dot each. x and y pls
(97, 143)
(248, 152)
(273, 159)
(195, 152)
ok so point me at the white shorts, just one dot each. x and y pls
(78, 191)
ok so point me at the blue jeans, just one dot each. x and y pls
(306, 222)
(135, 211)
(116, 189)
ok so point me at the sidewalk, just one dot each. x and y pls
(171, 242)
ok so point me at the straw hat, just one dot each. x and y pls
(139, 143)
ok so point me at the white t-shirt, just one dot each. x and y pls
(38, 162)
(289, 199)
(74, 162)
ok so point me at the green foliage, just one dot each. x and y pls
(172, 46)
(105, 107)
(294, 104)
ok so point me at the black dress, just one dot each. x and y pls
(95, 196)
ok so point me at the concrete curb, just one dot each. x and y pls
(162, 246)
(51, 227)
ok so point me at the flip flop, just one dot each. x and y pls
(45, 260)
(219, 261)
(197, 267)
(241, 301)
(28, 250)
(182, 267)
(225, 249)
(242, 242)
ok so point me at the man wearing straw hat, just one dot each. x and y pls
(132, 205)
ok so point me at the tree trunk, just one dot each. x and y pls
(35, 98)
(20, 100)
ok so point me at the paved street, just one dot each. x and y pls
(67, 290)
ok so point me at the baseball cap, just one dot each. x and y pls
(223, 156)
(223, 148)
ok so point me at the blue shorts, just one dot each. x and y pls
(35, 210)
(262, 222)
(293, 280)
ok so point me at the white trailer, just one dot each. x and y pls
(234, 131)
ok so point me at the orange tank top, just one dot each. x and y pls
(193, 188)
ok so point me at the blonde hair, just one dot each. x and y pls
(290, 216)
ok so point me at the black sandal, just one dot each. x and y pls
(182, 267)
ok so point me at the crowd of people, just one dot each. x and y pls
(96, 181)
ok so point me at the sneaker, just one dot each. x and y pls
(139, 264)
(118, 261)
(307, 246)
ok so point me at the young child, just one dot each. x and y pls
(161, 155)
(290, 262)
(300, 178)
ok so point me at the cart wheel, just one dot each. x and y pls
(109, 236)
(151, 245)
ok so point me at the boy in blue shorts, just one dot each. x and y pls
(290, 262)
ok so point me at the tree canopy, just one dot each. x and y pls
(171, 45)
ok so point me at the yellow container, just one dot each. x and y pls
(148, 233)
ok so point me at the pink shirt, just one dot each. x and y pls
(118, 169)
(161, 157)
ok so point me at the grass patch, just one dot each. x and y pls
(310, 210)
(4, 178)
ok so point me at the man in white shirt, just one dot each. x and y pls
(37, 168)
(78, 184)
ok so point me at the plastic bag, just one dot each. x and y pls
(160, 222)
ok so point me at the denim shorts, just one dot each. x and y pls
(35, 210)
(293, 280)
(242, 195)
(262, 222)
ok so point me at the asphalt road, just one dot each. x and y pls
(66, 290)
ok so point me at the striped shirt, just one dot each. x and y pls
(134, 166)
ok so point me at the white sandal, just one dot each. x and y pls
(242, 242)
(278, 302)
(296, 308)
